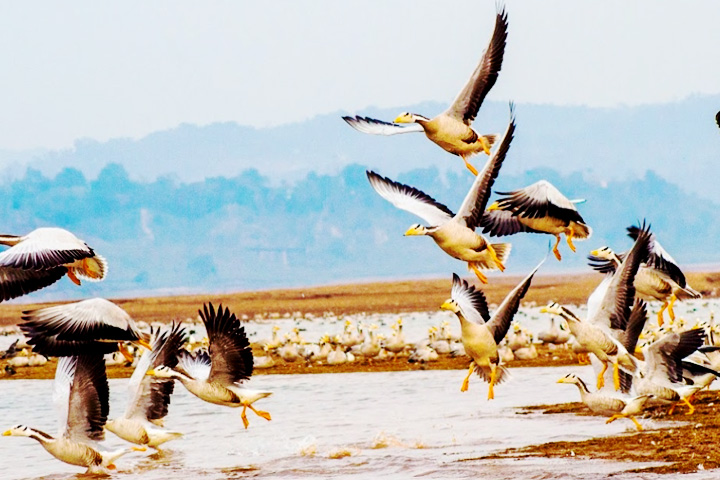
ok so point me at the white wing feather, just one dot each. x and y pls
(378, 127)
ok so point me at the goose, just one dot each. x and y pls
(665, 370)
(81, 397)
(607, 328)
(537, 208)
(396, 343)
(609, 405)
(481, 333)
(44, 256)
(216, 377)
(150, 396)
(95, 325)
(337, 356)
(451, 130)
(455, 233)
(659, 278)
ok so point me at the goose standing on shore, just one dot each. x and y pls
(451, 130)
(95, 325)
(216, 376)
(150, 396)
(538, 208)
(455, 233)
(481, 334)
(44, 256)
(81, 397)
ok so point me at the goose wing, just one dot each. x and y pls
(473, 207)
(660, 259)
(16, 282)
(466, 105)
(664, 357)
(614, 309)
(82, 396)
(196, 366)
(499, 223)
(410, 199)
(378, 127)
(95, 319)
(150, 396)
(45, 248)
(232, 359)
(540, 200)
(472, 302)
(504, 314)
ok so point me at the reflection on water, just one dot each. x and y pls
(361, 425)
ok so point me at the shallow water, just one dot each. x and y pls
(356, 425)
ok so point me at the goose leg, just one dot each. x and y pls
(613, 418)
(466, 382)
(478, 273)
(601, 376)
(616, 375)
(244, 417)
(493, 374)
(485, 144)
(637, 424)
(470, 167)
(555, 247)
(568, 238)
(495, 258)
(670, 307)
(260, 413)
(660, 314)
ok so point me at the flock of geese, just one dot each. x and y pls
(617, 312)
(675, 365)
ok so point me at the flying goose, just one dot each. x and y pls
(95, 325)
(216, 376)
(667, 374)
(455, 233)
(609, 405)
(150, 396)
(81, 397)
(608, 323)
(482, 333)
(451, 129)
(659, 278)
(42, 257)
(537, 208)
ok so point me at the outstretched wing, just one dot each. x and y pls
(504, 314)
(82, 381)
(232, 358)
(660, 259)
(466, 105)
(410, 199)
(475, 202)
(45, 248)
(378, 127)
(472, 302)
(16, 282)
(150, 396)
(539, 200)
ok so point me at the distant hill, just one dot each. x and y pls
(246, 232)
(678, 141)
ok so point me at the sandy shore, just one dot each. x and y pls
(379, 297)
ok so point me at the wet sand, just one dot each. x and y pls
(688, 446)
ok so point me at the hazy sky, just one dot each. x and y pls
(109, 69)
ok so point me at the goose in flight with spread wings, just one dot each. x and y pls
(482, 333)
(150, 396)
(537, 208)
(659, 278)
(81, 396)
(44, 256)
(605, 331)
(455, 233)
(216, 376)
(95, 325)
(451, 130)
